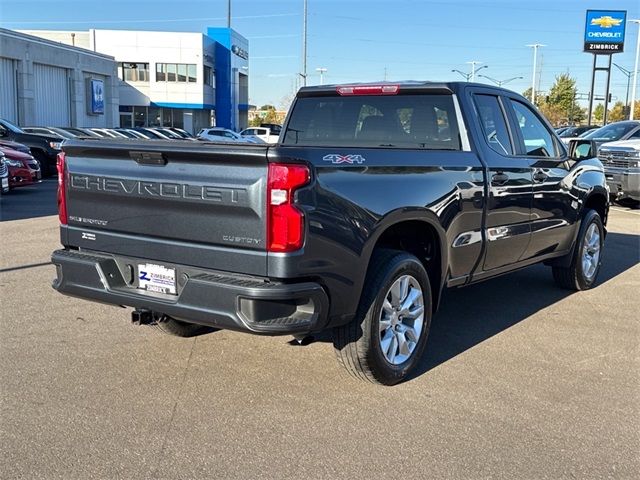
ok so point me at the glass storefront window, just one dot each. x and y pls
(139, 116)
(154, 118)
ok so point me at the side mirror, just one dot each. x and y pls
(582, 149)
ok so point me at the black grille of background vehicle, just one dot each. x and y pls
(615, 158)
(3, 168)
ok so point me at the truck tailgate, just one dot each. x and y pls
(184, 202)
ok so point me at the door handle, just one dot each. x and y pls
(499, 178)
(539, 176)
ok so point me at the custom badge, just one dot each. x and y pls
(337, 159)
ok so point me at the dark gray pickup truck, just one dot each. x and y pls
(375, 199)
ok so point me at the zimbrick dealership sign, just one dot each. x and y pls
(604, 31)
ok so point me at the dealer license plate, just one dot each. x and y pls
(157, 278)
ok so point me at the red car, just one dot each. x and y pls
(23, 168)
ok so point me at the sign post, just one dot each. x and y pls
(603, 35)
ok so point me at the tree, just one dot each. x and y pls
(598, 113)
(563, 97)
(617, 113)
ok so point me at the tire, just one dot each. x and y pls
(582, 272)
(177, 328)
(365, 347)
(43, 160)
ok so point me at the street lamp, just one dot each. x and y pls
(501, 82)
(535, 47)
(627, 73)
(635, 72)
(466, 76)
(322, 71)
(474, 70)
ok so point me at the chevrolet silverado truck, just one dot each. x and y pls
(621, 162)
(375, 199)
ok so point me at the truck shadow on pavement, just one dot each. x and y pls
(471, 315)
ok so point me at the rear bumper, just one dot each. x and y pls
(210, 298)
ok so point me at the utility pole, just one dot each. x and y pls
(322, 71)
(635, 71)
(228, 13)
(385, 74)
(304, 45)
(535, 47)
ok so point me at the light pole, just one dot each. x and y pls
(466, 76)
(473, 64)
(501, 82)
(627, 73)
(229, 14)
(322, 71)
(635, 71)
(535, 47)
(304, 45)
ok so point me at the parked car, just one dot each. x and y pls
(19, 172)
(4, 175)
(14, 146)
(559, 130)
(133, 133)
(49, 131)
(182, 132)
(573, 132)
(168, 133)
(153, 134)
(219, 134)
(621, 162)
(274, 127)
(354, 226)
(261, 133)
(26, 159)
(44, 148)
(81, 132)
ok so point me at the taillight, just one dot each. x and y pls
(385, 89)
(285, 222)
(62, 189)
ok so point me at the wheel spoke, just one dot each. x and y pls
(396, 294)
(386, 341)
(393, 348)
(404, 288)
(410, 334)
(411, 298)
(384, 324)
(387, 307)
(403, 346)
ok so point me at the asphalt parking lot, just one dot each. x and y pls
(520, 380)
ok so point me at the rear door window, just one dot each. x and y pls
(424, 121)
(494, 124)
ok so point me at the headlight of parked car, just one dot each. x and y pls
(13, 163)
(55, 145)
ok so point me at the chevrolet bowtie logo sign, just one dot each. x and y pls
(606, 21)
(604, 31)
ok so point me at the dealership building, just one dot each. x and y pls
(178, 79)
(45, 83)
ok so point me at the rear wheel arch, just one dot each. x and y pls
(420, 236)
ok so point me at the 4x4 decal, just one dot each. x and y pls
(349, 159)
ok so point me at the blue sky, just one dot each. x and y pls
(358, 40)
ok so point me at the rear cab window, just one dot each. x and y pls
(412, 120)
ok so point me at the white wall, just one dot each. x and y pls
(34, 100)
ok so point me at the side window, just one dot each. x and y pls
(494, 125)
(636, 134)
(538, 140)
